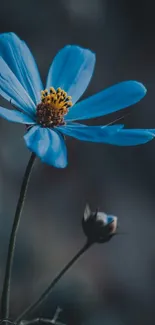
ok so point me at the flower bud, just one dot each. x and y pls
(98, 226)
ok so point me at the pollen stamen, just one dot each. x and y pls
(53, 107)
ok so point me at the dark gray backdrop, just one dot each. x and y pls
(113, 283)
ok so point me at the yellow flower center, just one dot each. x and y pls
(53, 107)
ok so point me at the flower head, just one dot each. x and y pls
(98, 226)
(51, 112)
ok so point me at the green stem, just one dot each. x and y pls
(5, 302)
(47, 292)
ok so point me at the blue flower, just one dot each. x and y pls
(49, 114)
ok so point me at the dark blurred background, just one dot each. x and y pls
(113, 283)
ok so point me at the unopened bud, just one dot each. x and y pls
(98, 226)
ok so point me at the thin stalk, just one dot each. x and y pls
(5, 302)
(47, 292)
(40, 321)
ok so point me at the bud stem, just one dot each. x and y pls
(47, 292)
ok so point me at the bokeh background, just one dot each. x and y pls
(113, 283)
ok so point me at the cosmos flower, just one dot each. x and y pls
(51, 113)
(98, 227)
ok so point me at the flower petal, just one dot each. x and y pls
(71, 70)
(12, 90)
(131, 137)
(110, 219)
(15, 116)
(20, 60)
(90, 133)
(113, 134)
(108, 101)
(48, 145)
